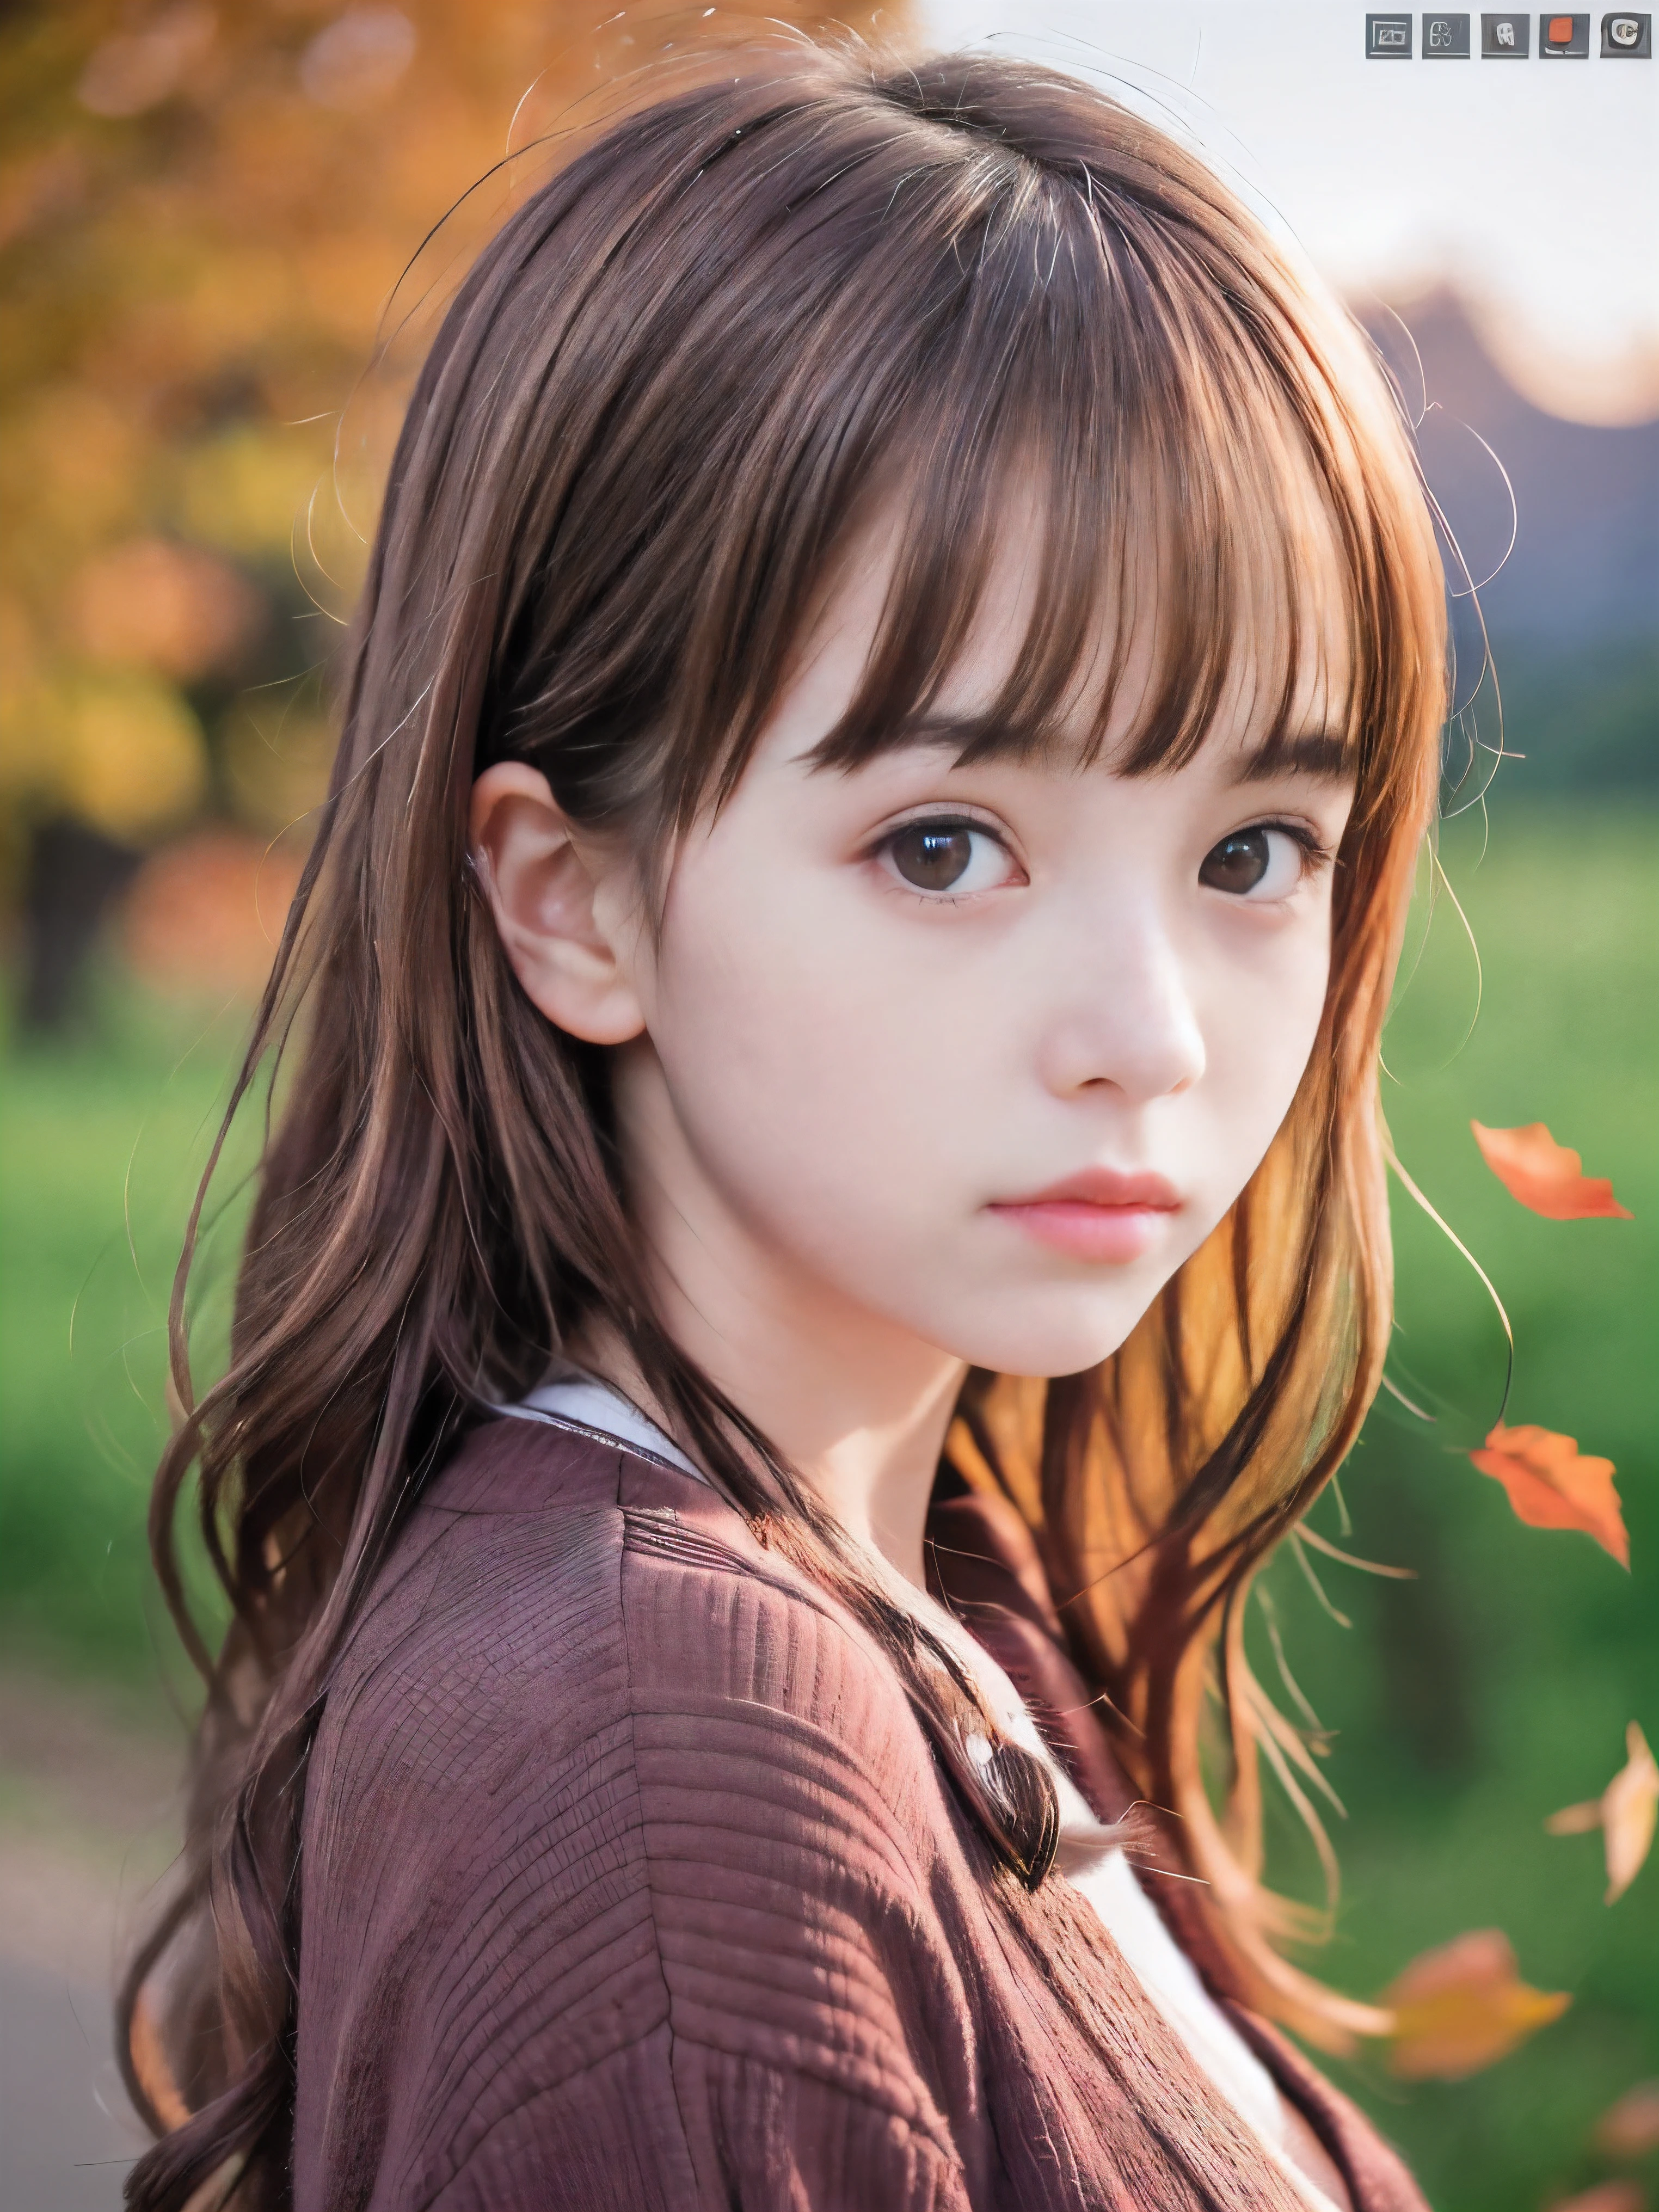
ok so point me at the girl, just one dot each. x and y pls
(830, 1214)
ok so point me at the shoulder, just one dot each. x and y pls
(595, 1770)
(496, 1605)
(554, 1583)
(567, 1617)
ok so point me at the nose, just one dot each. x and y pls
(1125, 1020)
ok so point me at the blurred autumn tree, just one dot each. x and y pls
(202, 214)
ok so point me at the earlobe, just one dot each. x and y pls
(545, 893)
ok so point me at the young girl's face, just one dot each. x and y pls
(975, 1056)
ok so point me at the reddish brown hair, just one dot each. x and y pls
(668, 392)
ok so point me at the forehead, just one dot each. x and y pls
(1151, 667)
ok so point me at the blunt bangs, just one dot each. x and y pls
(856, 301)
(1189, 557)
(1027, 346)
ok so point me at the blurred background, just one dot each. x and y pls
(214, 226)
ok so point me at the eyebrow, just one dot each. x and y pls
(1318, 753)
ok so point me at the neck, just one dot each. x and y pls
(869, 1447)
(854, 1403)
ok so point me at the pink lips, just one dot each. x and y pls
(1098, 1215)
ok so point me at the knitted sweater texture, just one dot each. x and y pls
(631, 1883)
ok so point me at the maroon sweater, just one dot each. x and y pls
(631, 1881)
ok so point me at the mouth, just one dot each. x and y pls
(1099, 1215)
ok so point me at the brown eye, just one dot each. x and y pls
(933, 856)
(1238, 863)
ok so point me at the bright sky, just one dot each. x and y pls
(1534, 185)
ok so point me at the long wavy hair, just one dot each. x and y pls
(675, 384)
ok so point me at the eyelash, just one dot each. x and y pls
(945, 821)
(1316, 853)
(1301, 833)
(1313, 846)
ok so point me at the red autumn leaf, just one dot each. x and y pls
(1625, 1811)
(1551, 1485)
(1463, 2006)
(1625, 2196)
(1547, 1177)
(1630, 2128)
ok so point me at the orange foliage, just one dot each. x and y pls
(1551, 1485)
(1546, 1176)
(1625, 1812)
(1462, 2008)
(207, 915)
(172, 608)
(203, 210)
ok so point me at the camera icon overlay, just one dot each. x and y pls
(1505, 38)
(1563, 38)
(1445, 38)
(1387, 38)
(1626, 38)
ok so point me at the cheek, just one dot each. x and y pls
(811, 1075)
(1261, 1020)
(849, 1092)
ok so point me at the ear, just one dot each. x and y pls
(562, 920)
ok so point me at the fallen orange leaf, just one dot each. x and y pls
(1625, 1812)
(1551, 1485)
(1625, 2196)
(1463, 2006)
(1630, 2128)
(1547, 1177)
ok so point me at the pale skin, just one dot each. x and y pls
(831, 1082)
(884, 1005)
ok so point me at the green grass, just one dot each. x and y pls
(1468, 1704)
(1473, 1701)
(101, 1139)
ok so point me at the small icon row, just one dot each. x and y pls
(1509, 38)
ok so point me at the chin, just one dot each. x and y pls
(1050, 1336)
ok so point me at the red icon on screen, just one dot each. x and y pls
(1565, 37)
